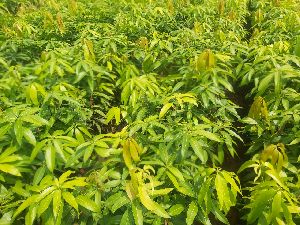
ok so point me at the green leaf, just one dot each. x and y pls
(70, 199)
(277, 82)
(6, 219)
(126, 219)
(77, 182)
(276, 206)
(191, 213)
(297, 47)
(150, 204)
(259, 204)
(204, 190)
(7, 168)
(111, 200)
(119, 203)
(231, 181)
(39, 174)
(4, 129)
(29, 136)
(137, 213)
(88, 152)
(44, 204)
(37, 149)
(30, 216)
(28, 202)
(264, 84)
(222, 192)
(246, 165)
(202, 154)
(134, 151)
(58, 148)
(163, 191)
(165, 109)
(64, 176)
(35, 119)
(176, 210)
(185, 145)
(50, 157)
(33, 94)
(127, 155)
(114, 112)
(219, 215)
(176, 172)
(209, 135)
(56, 202)
(275, 176)
(87, 203)
(18, 128)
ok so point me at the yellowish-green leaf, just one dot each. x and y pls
(44, 204)
(87, 203)
(176, 172)
(33, 94)
(127, 156)
(222, 192)
(30, 216)
(150, 204)
(276, 205)
(50, 157)
(64, 176)
(29, 201)
(176, 210)
(56, 202)
(209, 135)
(133, 152)
(29, 136)
(231, 181)
(191, 213)
(202, 154)
(7, 168)
(70, 199)
(165, 109)
(137, 213)
(77, 182)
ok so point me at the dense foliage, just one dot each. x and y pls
(149, 112)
